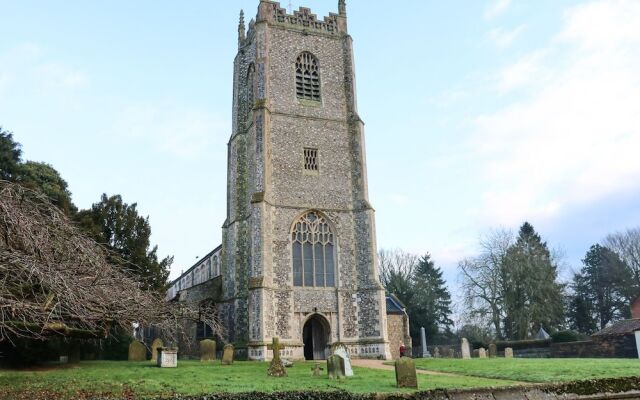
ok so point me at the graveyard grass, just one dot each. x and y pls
(538, 370)
(194, 377)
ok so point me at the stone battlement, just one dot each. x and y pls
(302, 19)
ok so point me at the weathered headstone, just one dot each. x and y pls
(475, 353)
(482, 353)
(451, 352)
(508, 352)
(276, 368)
(167, 357)
(464, 349)
(227, 354)
(436, 352)
(207, 350)
(137, 351)
(341, 350)
(157, 343)
(406, 373)
(423, 342)
(493, 350)
(335, 367)
(317, 369)
(64, 360)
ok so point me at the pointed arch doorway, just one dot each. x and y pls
(315, 336)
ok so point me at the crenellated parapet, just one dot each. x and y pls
(303, 18)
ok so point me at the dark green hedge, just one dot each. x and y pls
(582, 388)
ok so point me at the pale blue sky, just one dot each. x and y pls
(478, 113)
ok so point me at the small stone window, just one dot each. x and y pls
(313, 252)
(310, 159)
(307, 77)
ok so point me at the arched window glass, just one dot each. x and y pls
(313, 245)
(307, 77)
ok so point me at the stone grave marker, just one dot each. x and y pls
(227, 354)
(436, 352)
(64, 360)
(423, 343)
(167, 357)
(316, 370)
(207, 350)
(341, 350)
(335, 367)
(406, 373)
(508, 352)
(464, 349)
(482, 353)
(451, 353)
(475, 353)
(137, 351)
(157, 343)
(276, 368)
(493, 350)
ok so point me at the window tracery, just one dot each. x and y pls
(313, 252)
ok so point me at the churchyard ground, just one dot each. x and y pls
(535, 370)
(193, 377)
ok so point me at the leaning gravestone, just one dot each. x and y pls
(227, 354)
(406, 373)
(137, 351)
(207, 350)
(464, 349)
(335, 367)
(508, 352)
(341, 350)
(493, 350)
(157, 343)
(482, 353)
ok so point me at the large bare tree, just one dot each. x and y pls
(481, 279)
(627, 245)
(56, 281)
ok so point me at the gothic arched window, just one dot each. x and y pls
(307, 77)
(313, 251)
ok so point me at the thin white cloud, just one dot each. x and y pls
(28, 68)
(399, 199)
(59, 76)
(573, 138)
(504, 38)
(496, 8)
(172, 130)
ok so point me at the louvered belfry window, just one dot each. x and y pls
(307, 77)
(311, 159)
(313, 245)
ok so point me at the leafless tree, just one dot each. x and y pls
(481, 279)
(396, 263)
(627, 245)
(54, 280)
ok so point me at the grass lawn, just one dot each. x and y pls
(535, 369)
(193, 377)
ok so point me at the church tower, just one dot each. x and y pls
(299, 249)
